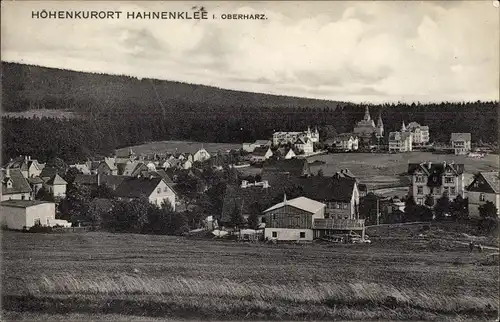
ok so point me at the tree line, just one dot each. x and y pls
(104, 130)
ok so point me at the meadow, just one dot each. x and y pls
(144, 277)
(380, 169)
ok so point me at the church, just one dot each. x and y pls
(365, 128)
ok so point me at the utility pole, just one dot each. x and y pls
(378, 213)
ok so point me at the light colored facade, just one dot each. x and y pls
(420, 133)
(400, 142)
(14, 185)
(436, 179)
(288, 234)
(484, 188)
(201, 155)
(283, 138)
(261, 154)
(290, 154)
(162, 193)
(19, 214)
(347, 142)
(56, 186)
(249, 147)
(461, 143)
(304, 145)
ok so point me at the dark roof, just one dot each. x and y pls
(344, 136)
(328, 188)
(19, 182)
(245, 198)
(398, 136)
(137, 187)
(35, 180)
(91, 179)
(56, 180)
(22, 203)
(460, 137)
(491, 182)
(435, 168)
(48, 171)
(294, 167)
(260, 151)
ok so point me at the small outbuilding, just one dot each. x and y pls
(23, 214)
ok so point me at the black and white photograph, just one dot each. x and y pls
(250, 160)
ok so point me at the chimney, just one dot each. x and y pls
(98, 179)
(29, 157)
(25, 158)
(429, 164)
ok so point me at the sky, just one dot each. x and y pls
(359, 51)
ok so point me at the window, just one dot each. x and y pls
(23, 197)
(37, 222)
(302, 234)
(453, 190)
(165, 189)
(158, 190)
(344, 205)
(420, 190)
(448, 179)
(419, 179)
(275, 234)
(263, 220)
(482, 197)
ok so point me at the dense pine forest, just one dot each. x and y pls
(119, 111)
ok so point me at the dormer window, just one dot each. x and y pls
(9, 183)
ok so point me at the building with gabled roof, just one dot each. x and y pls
(156, 190)
(345, 141)
(14, 185)
(420, 133)
(461, 143)
(435, 179)
(24, 214)
(400, 141)
(260, 154)
(485, 187)
(293, 167)
(56, 185)
(29, 167)
(292, 220)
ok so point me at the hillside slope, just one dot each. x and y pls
(29, 87)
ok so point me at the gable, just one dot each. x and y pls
(480, 184)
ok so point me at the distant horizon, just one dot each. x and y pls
(245, 91)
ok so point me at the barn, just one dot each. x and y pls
(21, 214)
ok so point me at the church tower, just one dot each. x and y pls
(367, 115)
(380, 126)
(403, 127)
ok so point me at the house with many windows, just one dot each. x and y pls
(435, 179)
(345, 141)
(461, 143)
(420, 133)
(485, 187)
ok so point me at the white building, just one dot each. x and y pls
(155, 189)
(304, 145)
(346, 141)
(400, 142)
(420, 133)
(56, 185)
(23, 214)
(201, 155)
(14, 185)
(261, 154)
(485, 187)
(436, 179)
(283, 138)
(249, 147)
(461, 143)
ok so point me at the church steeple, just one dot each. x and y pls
(403, 127)
(379, 121)
(367, 114)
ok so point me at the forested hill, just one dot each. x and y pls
(27, 87)
(121, 111)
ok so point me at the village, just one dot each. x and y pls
(283, 201)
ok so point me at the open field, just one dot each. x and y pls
(135, 277)
(381, 169)
(178, 146)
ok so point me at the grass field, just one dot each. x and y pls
(380, 169)
(177, 146)
(141, 277)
